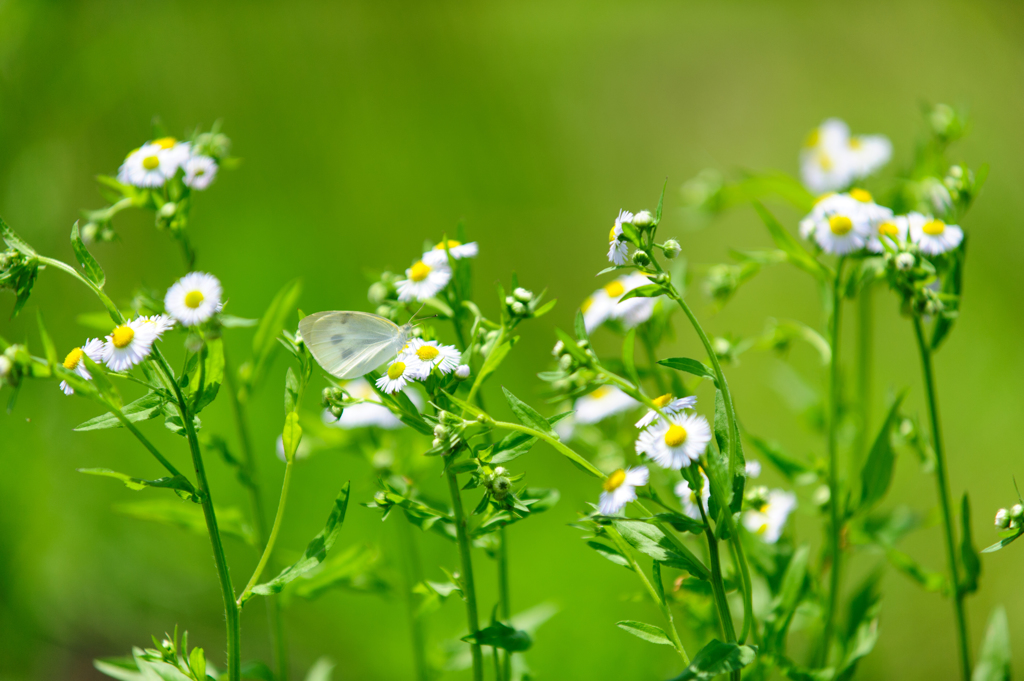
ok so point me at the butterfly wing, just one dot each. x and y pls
(350, 344)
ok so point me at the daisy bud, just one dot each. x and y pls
(640, 258)
(558, 349)
(336, 410)
(440, 431)
(905, 261)
(500, 470)
(89, 232)
(462, 372)
(326, 396)
(523, 295)
(1002, 519)
(1016, 513)
(565, 362)
(381, 498)
(377, 293)
(382, 459)
(933, 307)
(509, 300)
(644, 219)
(437, 442)
(384, 311)
(661, 278)
(671, 248)
(518, 309)
(721, 346)
(501, 487)
(757, 496)
(5, 366)
(168, 210)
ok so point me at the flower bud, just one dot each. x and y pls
(523, 295)
(501, 487)
(905, 261)
(641, 259)
(509, 300)
(661, 278)
(326, 396)
(643, 219)
(437, 442)
(558, 349)
(518, 309)
(381, 498)
(757, 496)
(1002, 519)
(90, 231)
(336, 410)
(462, 372)
(1016, 513)
(671, 248)
(565, 362)
(440, 432)
(500, 470)
(5, 366)
(378, 293)
(721, 346)
(168, 209)
(384, 311)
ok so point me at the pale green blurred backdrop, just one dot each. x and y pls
(367, 127)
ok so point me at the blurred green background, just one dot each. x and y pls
(367, 127)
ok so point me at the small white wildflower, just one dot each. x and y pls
(620, 489)
(643, 219)
(431, 354)
(752, 469)
(5, 366)
(93, 349)
(424, 281)
(604, 303)
(675, 444)
(462, 372)
(670, 405)
(399, 375)
(600, 404)
(200, 171)
(152, 164)
(769, 520)
(618, 251)
(194, 298)
(162, 322)
(832, 159)
(933, 236)
(437, 257)
(893, 231)
(688, 497)
(128, 344)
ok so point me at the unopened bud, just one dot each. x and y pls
(90, 231)
(721, 346)
(437, 442)
(384, 311)
(643, 219)
(523, 295)
(519, 309)
(500, 470)
(378, 293)
(905, 261)
(440, 431)
(1017, 513)
(336, 411)
(565, 362)
(640, 258)
(661, 278)
(1002, 519)
(509, 300)
(500, 487)
(671, 248)
(381, 498)
(326, 395)
(462, 372)
(168, 209)
(558, 349)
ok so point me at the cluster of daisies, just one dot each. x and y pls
(832, 158)
(417, 360)
(674, 443)
(430, 274)
(159, 160)
(190, 301)
(849, 222)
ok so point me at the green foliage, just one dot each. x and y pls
(994, 658)
(717, 658)
(647, 632)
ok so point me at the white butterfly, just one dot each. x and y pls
(351, 344)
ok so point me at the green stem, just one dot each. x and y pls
(554, 442)
(942, 482)
(665, 610)
(461, 527)
(833, 466)
(146, 443)
(717, 583)
(112, 310)
(269, 548)
(504, 600)
(233, 644)
(413, 576)
(865, 361)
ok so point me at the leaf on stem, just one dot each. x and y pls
(89, 264)
(796, 253)
(494, 359)
(968, 553)
(502, 636)
(646, 291)
(994, 659)
(271, 324)
(527, 415)
(611, 553)
(180, 484)
(48, 350)
(690, 366)
(653, 542)
(876, 475)
(647, 632)
(204, 384)
(717, 658)
(147, 407)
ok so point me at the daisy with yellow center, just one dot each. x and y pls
(688, 497)
(604, 304)
(424, 280)
(438, 255)
(618, 251)
(200, 171)
(619, 489)
(399, 374)
(769, 520)
(128, 344)
(431, 354)
(675, 444)
(831, 159)
(152, 164)
(602, 403)
(93, 349)
(933, 236)
(891, 232)
(194, 298)
(668, 404)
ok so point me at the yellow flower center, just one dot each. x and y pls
(427, 353)
(73, 358)
(840, 224)
(451, 244)
(763, 528)
(122, 336)
(813, 138)
(675, 436)
(600, 393)
(823, 197)
(614, 289)
(612, 235)
(888, 229)
(825, 161)
(862, 195)
(934, 227)
(614, 481)
(855, 143)
(151, 163)
(663, 400)
(194, 299)
(396, 370)
(165, 142)
(419, 271)
(586, 304)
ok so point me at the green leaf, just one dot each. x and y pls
(321, 670)
(502, 636)
(796, 253)
(494, 359)
(48, 350)
(647, 632)
(230, 520)
(147, 407)
(787, 464)
(717, 658)
(511, 447)
(646, 291)
(581, 327)
(861, 626)
(994, 660)
(102, 382)
(1005, 541)
(876, 475)
(611, 553)
(197, 662)
(661, 203)
(291, 435)
(271, 324)
(175, 482)
(315, 552)
(122, 669)
(89, 264)
(968, 553)
(355, 569)
(205, 384)
(930, 581)
(527, 415)
(628, 361)
(652, 541)
(690, 366)
(14, 241)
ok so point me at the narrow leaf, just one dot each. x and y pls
(994, 660)
(89, 265)
(796, 253)
(526, 414)
(146, 407)
(968, 553)
(610, 553)
(500, 635)
(876, 474)
(690, 366)
(717, 658)
(647, 632)
(176, 482)
(653, 542)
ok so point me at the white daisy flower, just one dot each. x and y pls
(604, 402)
(400, 374)
(153, 163)
(868, 153)
(93, 349)
(825, 164)
(604, 303)
(194, 298)
(128, 345)
(839, 223)
(670, 405)
(200, 171)
(675, 444)
(620, 489)
(618, 251)
(752, 469)
(437, 257)
(431, 354)
(892, 231)
(768, 521)
(424, 281)
(933, 236)
(366, 414)
(688, 497)
(162, 322)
